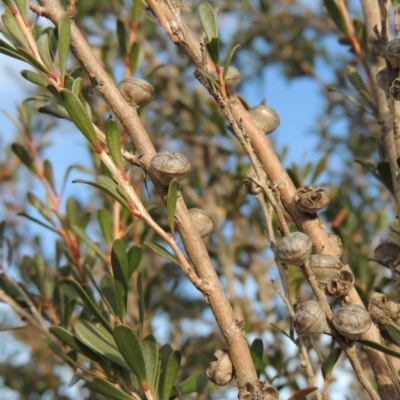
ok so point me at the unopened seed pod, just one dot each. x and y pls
(169, 165)
(137, 92)
(202, 221)
(310, 318)
(387, 253)
(383, 311)
(310, 199)
(392, 53)
(220, 372)
(249, 185)
(265, 118)
(232, 79)
(382, 79)
(294, 248)
(336, 243)
(341, 284)
(352, 321)
(324, 266)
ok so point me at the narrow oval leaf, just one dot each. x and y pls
(48, 173)
(79, 116)
(169, 374)
(378, 346)
(301, 394)
(129, 346)
(22, 6)
(162, 252)
(330, 362)
(38, 222)
(34, 78)
(135, 56)
(105, 223)
(140, 292)
(23, 154)
(44, 51)
(320, 167)
(77, 86)
(72, 208)
(151, 360)
(107, 286)
(257, 352)
(135, 254)
(355, 79)
(213, 49)
(121, 34)
(113, 139)
(119, 263)
(171, 203)
(10, 52)
(96, 340)
(30, 59)
(336, 15)
(44, 210)
(106, 388)
(89, 303)
(13, 28)
(394, 332)
(209, 20)
(228, 59)
(194, 383)
(64, 40)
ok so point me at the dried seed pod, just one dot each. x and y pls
(137, 92)
(232, 79)
(202, 221)
(294, 249)
(262, 390)
(383, 311)
(392, 53)
(265, 118)
(249, 185)
(387, 253)
(341, 284)
(168, 165)
(324, 266)
(382, 79)
(394, 89)
(310, 318)
(352, 321)
(310, 199)
(336, 243)
(220, 372)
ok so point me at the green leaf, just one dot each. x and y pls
(257, 352)
(355, 79)
(106, 388)
(209, 21)
(320, 167)
(108, 290)
(64, 40)
(10, 51)
(209, 77)
(129, 346)
(119, 263)
(22, 6)
(34, 78)
(79, 115)
(135, 56)
(88, 302)
(38, 222)
(99, 341)
(162, 251)
(44, 210)
(171, 203)
(23, 154)
(140, 298)
(71, 341)
(385, 174)
(105, 223)
(169, 371)
(394, 332)
(327, 366)
(135, 254)
(44, 51)
(379, 347)
(114, 142)
(336, 15)
(213, 49)
(228, 59)
(77, 86)
(194, 383)
(107, 185)
(48, 173)
(121, 34)
(72, 211)
(151, 361)
(12, 26)
(30, 59)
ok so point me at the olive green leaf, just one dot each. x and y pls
(257, 352)
(107, 286)
(228, 59)
(106, 388)
(12, 26)
(135, 55)
(38, 222)
(130, 348)
(34, 78)
(379, 347)
(327, 366)
(105, 223)
(23, 154)
(22, 6)
(170, 362)
(135, 254)
(114, 142)
(151, 360)
(10, 51)
(209, 21)
(30, 59)
(121, 35)
(44, 51)
(64, 40)
(171, 203)
(336, 15)
(79, 115)
(394, 332)
(194, 383)
(48, 173)
(162, 251)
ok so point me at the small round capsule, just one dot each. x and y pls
(294, 249)
(265, 118)
(202, 221)
(169, 165)
(310, 318)
(137, 92)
